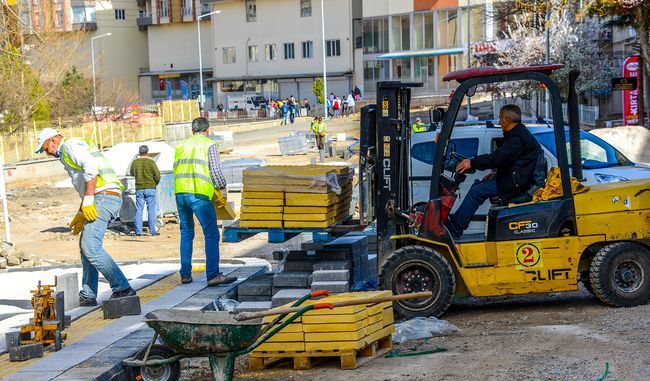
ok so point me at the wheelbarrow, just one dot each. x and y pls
(221, 336)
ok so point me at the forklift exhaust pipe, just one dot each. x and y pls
(574, 127)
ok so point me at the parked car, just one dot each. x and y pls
(601, 162)
(245, 102)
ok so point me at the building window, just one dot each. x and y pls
(447, 29)
(229, 55)
(477, 30)
(423, 31)
(187, 7)
(333, 47)
(163, 8)
(271, 52)
(401, 33)
(308, 49)
(251, 11)
(120, 14)
(289, 51)
(252, 53)
(375, 35)
(305, 8)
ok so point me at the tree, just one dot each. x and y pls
(112, 99)
(317, 88)
(73, 98)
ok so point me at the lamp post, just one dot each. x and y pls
(322, 20)
(198, 34)
(92, 54)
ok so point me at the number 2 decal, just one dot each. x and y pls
(528, 255)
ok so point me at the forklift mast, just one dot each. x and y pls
(385, 160)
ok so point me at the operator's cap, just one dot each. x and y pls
(418, 119)
(44, 135)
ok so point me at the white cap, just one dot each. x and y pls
(44, 135)
(418, 119)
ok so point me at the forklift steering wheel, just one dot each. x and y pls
(460, 158)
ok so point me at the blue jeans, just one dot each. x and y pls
(476, 196)
(190, 204)
(148, 196)
(94, 259)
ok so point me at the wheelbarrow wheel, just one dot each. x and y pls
(167, 372)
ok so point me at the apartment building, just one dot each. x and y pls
(173, 46)
(118, 56)
(422, 40)
(275, 48)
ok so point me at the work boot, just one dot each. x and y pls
(85, 301)
(220, 279)
(186, 279)
(120, 294)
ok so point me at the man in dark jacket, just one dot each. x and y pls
(514, 162)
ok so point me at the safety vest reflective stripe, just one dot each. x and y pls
(106, 173)
(191, 169)
(191, 161)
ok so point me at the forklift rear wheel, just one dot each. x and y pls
(620, 274)
(414, 269)
(167, 372)
(586, 281)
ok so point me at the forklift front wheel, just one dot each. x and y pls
(620, 274)
(414, 269)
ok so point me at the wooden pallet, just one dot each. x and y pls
(350, 358)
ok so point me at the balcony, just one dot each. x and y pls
(84, 26)
(144, 20)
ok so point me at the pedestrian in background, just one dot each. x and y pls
(198, 178)
(350, 104)
(285, 112)
(147, 178)
(307, 106)
(101, 194)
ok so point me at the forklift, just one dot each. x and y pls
(600, 237)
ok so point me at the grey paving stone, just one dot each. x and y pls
(253, 306)
(118, 307)
(256, 287)
(69, 284)
(334, 287)
(12, 339)
(296, 279)
(333, 254)
(288, 295)
(253, 298)
(306, 265)
(332, 265)
(25, 352)
(331, 275)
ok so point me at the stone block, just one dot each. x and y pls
(253, 306)
(293, 255)
(333, 254)
(331, 275)
(8, 249)
(26, 352)
(12, 339)
(295, 279)
(256, 287)
(67, 320)
(59, 307)
(285, 296)
(307, 265)
(27, 263)
(311, 245)
(13, 261)
(3, 262)
(118, 307)
(69, 284)
(332, 265)
(334, 287)
(253, 298)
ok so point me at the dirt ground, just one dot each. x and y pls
(568, 336)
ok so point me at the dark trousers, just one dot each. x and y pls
(476, 196)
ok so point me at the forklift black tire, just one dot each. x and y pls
(414, 269)
(620, 274)
(167, 372)
(585, 279)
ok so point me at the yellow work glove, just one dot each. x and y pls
(88, 208)
(77, 224)
(218, 199)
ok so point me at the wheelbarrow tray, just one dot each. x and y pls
(199, 333)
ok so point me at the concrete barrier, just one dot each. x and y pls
(34, 172)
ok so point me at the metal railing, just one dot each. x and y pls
(587, 114)
(244, 116)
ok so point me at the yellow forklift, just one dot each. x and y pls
(600, 237)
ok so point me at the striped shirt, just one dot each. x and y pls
(216, 173)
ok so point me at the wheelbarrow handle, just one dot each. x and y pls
(313, 294)
(275, 311)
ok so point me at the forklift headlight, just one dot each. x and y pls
(604, 178)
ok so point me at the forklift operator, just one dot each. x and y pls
(514, 162)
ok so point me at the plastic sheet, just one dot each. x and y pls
(225, 305)
(422, 328)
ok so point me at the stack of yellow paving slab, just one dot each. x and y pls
(353, 333)
(295, 196)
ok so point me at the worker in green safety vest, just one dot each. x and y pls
(418, 126)
(319, 129)
(101, 193)
(198, 180)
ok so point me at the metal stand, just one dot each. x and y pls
(223, 366)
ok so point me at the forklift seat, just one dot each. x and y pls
(540, 181)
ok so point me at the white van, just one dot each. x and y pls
(601, 162)
(246, 102)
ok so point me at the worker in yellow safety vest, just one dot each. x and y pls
(418, 126)
(319, 129)
(101, 194)
(198, 179)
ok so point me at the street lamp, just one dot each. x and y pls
(322, 21)
(198, 33)
(92, 53)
